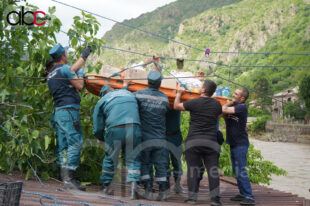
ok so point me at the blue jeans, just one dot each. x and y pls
(239, 160)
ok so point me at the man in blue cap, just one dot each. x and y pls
(64, 83)
(117, 123)
(153, 106)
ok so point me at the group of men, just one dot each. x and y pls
(147, 131)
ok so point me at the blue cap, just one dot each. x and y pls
(104, 90)
(154, 78)
(57, 51)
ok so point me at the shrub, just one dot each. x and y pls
(259, 124)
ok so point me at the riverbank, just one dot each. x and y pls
(294, 158)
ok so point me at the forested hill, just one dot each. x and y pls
(248, 25)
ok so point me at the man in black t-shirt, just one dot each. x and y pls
(201, 143)
(236, 113)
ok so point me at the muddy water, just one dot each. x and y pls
(295, 159)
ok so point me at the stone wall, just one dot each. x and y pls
(285, 132)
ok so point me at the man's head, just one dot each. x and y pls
(241, 95)
(154, 79)
(104, 90)
(180, 64)
(208, 88)
(59, 54)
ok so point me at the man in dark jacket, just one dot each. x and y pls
(153, 106)
(117, 123)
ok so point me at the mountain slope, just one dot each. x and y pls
(249, 25)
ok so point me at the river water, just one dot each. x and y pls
(295, 159)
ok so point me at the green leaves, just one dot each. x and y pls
(35, 134)
(47, 141)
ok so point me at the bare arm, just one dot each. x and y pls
(77, 82)
(228, 108)
(177, 101)
(77, 65)
(150, 59)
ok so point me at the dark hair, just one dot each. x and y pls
(244, 93)
(58, 58)
(154, 86)
(210, 87)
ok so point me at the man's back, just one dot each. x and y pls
(119, 107)
(153, 106)
(204, 113)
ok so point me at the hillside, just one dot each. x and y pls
(248, 25)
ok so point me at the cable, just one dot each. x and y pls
(175, 41)
(18, 141)
(55, 200)
(139, 65)
(193, 60)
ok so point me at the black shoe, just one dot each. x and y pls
(247, 201)
(162, 196)
(237, 198)
(69, 181)
(148, 191)
(105, 188)
(216, 201)
(190, 201)
(178, 188)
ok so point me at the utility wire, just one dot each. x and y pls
(193, 60)
(175, 41)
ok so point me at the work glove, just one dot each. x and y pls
(80, 73)
(86, 51)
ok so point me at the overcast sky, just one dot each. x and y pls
(115, 9)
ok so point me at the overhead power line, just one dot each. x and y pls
(175, 41)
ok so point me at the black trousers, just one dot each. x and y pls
(195, 158)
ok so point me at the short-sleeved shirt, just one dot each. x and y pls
(63, 92)
(204, 112)
(236, 126)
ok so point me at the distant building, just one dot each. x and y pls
(279, 99)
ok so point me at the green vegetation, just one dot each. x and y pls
(259, 124)
(294, 110)
(304, 91)
(26, 104)
(259, 26)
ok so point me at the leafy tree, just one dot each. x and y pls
(294, 110)
(26, 104)
(304, 91)
(263, 93)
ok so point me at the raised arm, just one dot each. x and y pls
(228, 108)
(177, 101)
(78, 82)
